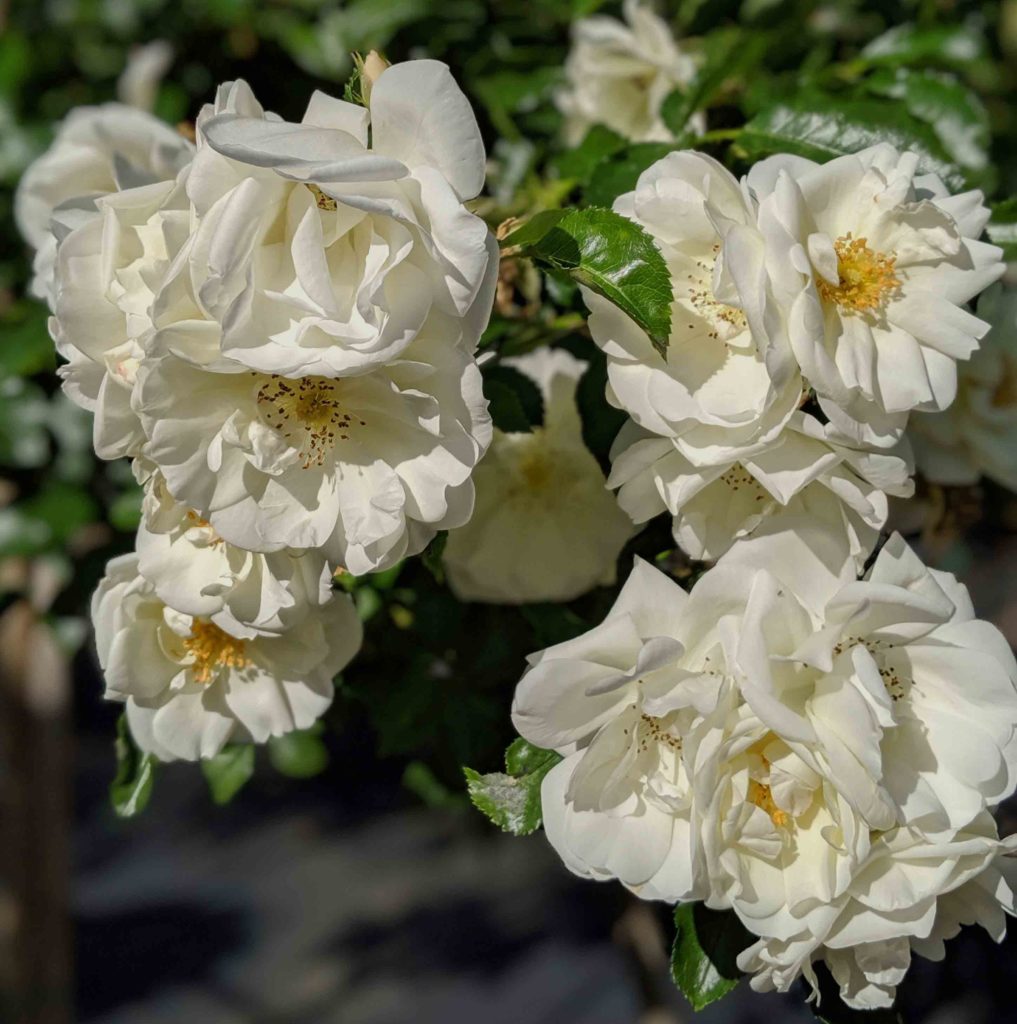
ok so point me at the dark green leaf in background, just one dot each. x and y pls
(1002, 228)
(229, 771)
(619, 173)
(301, 754)
(131, 788)
(515, 401)
(821, 127)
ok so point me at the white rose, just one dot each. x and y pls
(728, 384)
(619, 75)
(749, 743)
(193, 570)
(366, 468)
(97, 150)
(873, 265)
(913, 892)
(190, 687)
(320, 249)
(977, 435)
(807, 471)
(544, 528)
(108, 270)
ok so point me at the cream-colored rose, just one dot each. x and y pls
(544, 528)
(619, 73)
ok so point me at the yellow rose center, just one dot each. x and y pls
(213, 650)
(307, 412)
(760, 795)
(536, 469)
(867, 279)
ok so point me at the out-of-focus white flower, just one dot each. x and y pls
(194, 571)
(728, 384)
(97, 150)
(108, 270)
(190, 687)
(545, 528)
(872, 264)
(365, 468)
(618, 74)
(977, 435)
(138, 84)
(327, 247)
(774, 741)
(807, 471)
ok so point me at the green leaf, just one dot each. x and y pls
(610, 255)
(619, 173)
(131, 788)
(705, 951)
(229, 771)
(1002, 227)
(601, 422)
(431, 556)
(953, 45)
(822, 127)
(512, 799)
(580, 162)
(298, 755)
(728, 53)
(515, 400)
(941, 100)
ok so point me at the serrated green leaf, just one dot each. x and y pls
(728, 53)
(526, 395)
(299, 755)
(1002, 227)
(610, 255)
(706, 947)
(511, 799)
(619, 173)
(954, 45)
(941, 100)
(821, 127)
(523, 758)
(229, 771)
(131, 788)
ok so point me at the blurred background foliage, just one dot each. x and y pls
(431, 689)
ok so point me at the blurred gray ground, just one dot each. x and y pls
(341, 901)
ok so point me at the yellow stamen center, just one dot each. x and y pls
(867, 279)
(760, 795)
(213, 650)
(307, 412)
(322, 201)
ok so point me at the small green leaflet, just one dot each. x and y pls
(431, 556)
(131, 788)
(229, 771)
(706, 947)
(821, 127)
(301, 754)
(956, 46)
(512, 799)
(610, 255)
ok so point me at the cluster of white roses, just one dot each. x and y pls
(815, 307)
(277, 323)
(815, 751)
